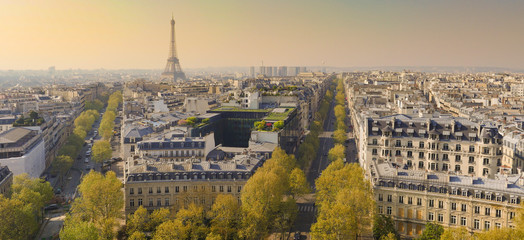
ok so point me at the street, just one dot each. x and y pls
(53, 221)
(306, 206)
(326, 142)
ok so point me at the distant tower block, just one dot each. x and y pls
(173, 69)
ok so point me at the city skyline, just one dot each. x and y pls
(117, 35)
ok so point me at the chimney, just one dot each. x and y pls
(393, 119)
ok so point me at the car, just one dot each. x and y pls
(51, 207)
(297, 236)
(58, 191)
(88, 167)
(86, 160)
(45, 177)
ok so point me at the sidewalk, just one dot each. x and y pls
(51, 226)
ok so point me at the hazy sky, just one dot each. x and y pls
(36, 34)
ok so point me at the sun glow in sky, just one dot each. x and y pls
(117, 34)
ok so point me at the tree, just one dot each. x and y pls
(84, 121)
(267, 197)
(278, 125)
(192, 219)
(285, 217)
(341, 124)
(18, 219)
(61, 165)
(316, 127)
(157, 217)
(192, 119)
(137, 222)
(262, 195)
(340, 136)
(260, 200)
(298, 183)
(225, 217)
(32, 191)
(383, 226)
(68, 150)
(431, 231)
(107, 124)
(345, 201)
(460, 233)
(306, 153)
(390, 236)
(80, 132)
(340, 98)
(329, 94)
(137, 236)
(519, 220)
(114, 100)
(75, 229)
(102, 151)
(337, 152)
(213, 236)
(95, 105)
(33, 114)
(496, 233)
(340, 112)
(170, 230)
(260, 125)
(101, 201)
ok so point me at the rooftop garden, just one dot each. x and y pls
(278, 88)
(269, 127)
(279, 114)
(193, 121)
(31, 120)
(236, 109)
(278, 91)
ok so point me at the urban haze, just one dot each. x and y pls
(247, 120)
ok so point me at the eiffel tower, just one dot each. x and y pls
(173, 69)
